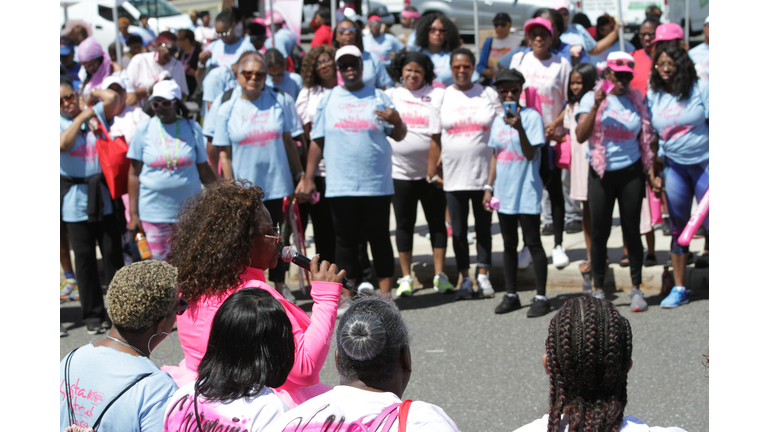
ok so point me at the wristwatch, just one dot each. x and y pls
(431, 180)
(488, 187)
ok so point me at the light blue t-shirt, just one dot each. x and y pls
(163, 188)
(227, 54)
(82, 161)
(411, 42)
(700, 57)
(358, 157)
(603, 56)
(576, 34)
(254, 130)
(681, 125)
(209, 121)
(382, 46)
(443, 74)
(290, 84)
(283, 41)
(374, 73)
(621, 123)
(518, 184)
(217, 82)
(98, 374)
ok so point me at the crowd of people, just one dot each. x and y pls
(225, 127)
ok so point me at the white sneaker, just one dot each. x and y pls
(484, 286)
(288, 294)
(470, 238)
(559, 258)
(365, 286)
(524, 258)
(344, 304)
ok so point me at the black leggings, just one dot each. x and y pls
(532, 238)
(458, 208)
(83, 237)
(408, 193)
(557, 200)
(275, 209)
(626, 185)
(357, 218)
(322, 223)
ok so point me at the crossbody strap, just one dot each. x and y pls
(70, 410)
(98, 420)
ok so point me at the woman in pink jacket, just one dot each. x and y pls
(224, 241)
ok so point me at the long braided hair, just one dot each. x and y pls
(589, 352)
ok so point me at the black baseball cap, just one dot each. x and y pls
(502, 16)
(512, 75)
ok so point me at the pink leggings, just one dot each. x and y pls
(159, 239)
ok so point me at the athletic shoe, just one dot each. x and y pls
(637, 301)
(405, 287)
(67, 287)
(465, 290)
(365, 286)
(524, 258)
(344, 304)
(559, 258)
(538, 308)
(94, 328)
(288, 295)
(678, 296)
(63, 331)
(548, 230)
(598, 294)
(440, 283)
(703, 260)
(508, 304)
(470, 238)
(484, 286)
(573, 227)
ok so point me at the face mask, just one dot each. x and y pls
(239, 30)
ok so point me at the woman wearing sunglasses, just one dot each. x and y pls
(87, 210)
(374, 72)
(437, 37)
(168, 165)
(231, 42)
(145, 69)
(253, 134)
(225, 241)
(143, 301)
(466, 117)
(618, 128)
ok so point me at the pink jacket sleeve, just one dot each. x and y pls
(313, 341)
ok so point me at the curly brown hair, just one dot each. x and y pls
(308, 73)
(211, 243)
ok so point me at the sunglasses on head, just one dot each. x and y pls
(623, 62)
(172, 49)
(513, 90)
(166, 104)
(343, 30)
(500, 24)
(67, 99)
(249, 74)
(183, 305)
(348, 64)
(275, 238)
(435, 29)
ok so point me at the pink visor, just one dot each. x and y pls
(622, 65)
(538, 21)
(374, 17)
(409, 14)
(669, 31)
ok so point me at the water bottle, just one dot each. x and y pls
(141, 243)
(379, 106)
(586, 286)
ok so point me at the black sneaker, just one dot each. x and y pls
(94, 328)
(548, 230)
(573, 227)
(539, 308)
(703, 261)
(508, 304)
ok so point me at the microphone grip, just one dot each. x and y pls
(303, 262)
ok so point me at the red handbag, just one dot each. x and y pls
(113, 160)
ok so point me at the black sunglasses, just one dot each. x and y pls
(500, 24)
(249, 74)
(172, 49)
(183, 305)
(66, 99)
(513, 90)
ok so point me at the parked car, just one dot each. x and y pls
(99, 15)
(309, 10)
(463, 14)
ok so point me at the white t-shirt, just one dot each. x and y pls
(499, 47)
(629, 424)
(420, 111)
(306, 105)
(344, 404)
(251, 413)
(466, 119)
(549, 78)
(125, 123)
(143, 71)
(205, 35)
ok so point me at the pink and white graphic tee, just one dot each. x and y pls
(466, 118)
(549, 78)
(143, 71)
(420, 111)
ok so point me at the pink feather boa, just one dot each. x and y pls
(597, 153)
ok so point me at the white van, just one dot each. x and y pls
(633, 11)
(98, 13)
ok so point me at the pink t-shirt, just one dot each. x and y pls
(550, 79)
(312, 336)
(420, 111)
(466, 118)
(143, 71)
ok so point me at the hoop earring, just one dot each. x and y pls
(149, 342)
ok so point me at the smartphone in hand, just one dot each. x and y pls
(510, 107)
(607, 86)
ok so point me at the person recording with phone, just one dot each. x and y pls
(517, 135)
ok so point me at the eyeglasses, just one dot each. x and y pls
(183, 305)
(461, 67)
(166, 104)
(321, 63)
(500, 24)
(67, 99)
(435, 30)
(348, 64)
(226, 33)
(275, 238)
(513, 90)
(172, 49)
(623, 62)
(249, 74)
(343, 30)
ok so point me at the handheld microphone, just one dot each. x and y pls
(291, 255)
